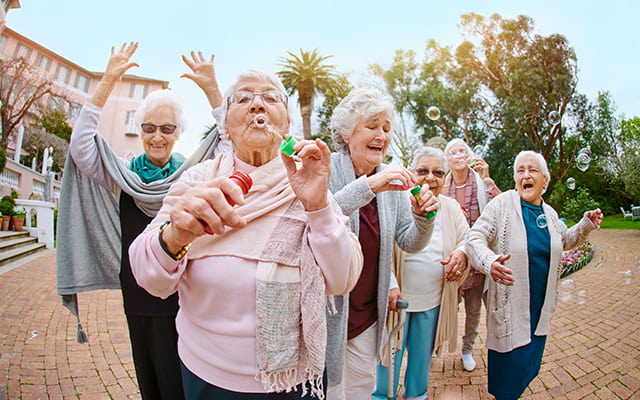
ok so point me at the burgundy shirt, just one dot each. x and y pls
(363, 299)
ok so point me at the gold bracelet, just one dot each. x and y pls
(181, 253)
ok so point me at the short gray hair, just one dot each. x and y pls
(164, 97)
(359, 103)
(542, 163)
(252, 74)
(428, 151)
(456, 141)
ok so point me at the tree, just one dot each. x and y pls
(54, 121)
(332, 98)
(21, 87)
(36, 140)
(307, 76)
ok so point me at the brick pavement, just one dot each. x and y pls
(593, 352)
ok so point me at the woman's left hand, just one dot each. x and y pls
(394, 296)
(456, 263)
(310, 182)
(481, 167)
(595, 216)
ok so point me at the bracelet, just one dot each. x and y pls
(181, 253)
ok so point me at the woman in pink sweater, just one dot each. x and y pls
(251, 270)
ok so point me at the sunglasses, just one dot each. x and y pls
(167, 129)
(438, 173)
(246, 97)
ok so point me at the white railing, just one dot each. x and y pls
(43, 211)
(9, 178)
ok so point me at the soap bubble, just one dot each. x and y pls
(626, 276)
(433, 113)
(554, 118)
(582, 296)
(561, 226)
(541, 221)
(583, 159)
(565, 289)
(571, 183)
(478, 151)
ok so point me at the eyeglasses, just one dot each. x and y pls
(438, 173)
(269, 97)
(458, 153)
(167, 129)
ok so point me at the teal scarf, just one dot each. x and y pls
(148, 172)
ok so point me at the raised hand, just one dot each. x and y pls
(595, 216)
(117, 66)
(310, 178)
(204, 75)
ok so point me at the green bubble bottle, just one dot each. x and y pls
(415, 191)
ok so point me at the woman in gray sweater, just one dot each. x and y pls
(381, 211)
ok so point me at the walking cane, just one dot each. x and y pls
(402, 306)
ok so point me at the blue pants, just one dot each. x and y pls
(419, 336)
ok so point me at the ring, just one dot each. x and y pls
(499, 280)
(458, 272)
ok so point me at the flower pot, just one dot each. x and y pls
(17, 223)
(5, 222)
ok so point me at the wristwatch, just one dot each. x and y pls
(181, 253)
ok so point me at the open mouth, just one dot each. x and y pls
(527, 186)
(375, 147)
(260, 120)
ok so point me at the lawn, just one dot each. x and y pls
(615, 222)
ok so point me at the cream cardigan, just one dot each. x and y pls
(500, 230)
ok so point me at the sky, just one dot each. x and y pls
(252, 34)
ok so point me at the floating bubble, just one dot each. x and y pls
(561, 226)
(541, 221)
(554, 118)
(565, 289)
(433, 113)
(582, 296)
(583, 159)
(626, 276)
(478, 151)
(571, 183)
(488, 184)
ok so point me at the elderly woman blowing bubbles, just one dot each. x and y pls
(517, 242)
(373, 195)
(242, 271)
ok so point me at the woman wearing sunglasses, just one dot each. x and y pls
(138, 186)
(469, 183)
(429, 280)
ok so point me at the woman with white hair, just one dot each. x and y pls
(132, 184)
(517, 242)
(382, 212)
(469, 183)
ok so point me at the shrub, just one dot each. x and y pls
(574, 207)
(7, 205)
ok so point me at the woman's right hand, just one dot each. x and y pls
(500, 273)
(206, 208)
(119, 63)
(391, 178)
(204, 75)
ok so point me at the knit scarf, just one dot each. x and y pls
(149, 172)
(470, 195)
(290, 316)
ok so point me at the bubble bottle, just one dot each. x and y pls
(243, 180)
(415, 191)
(261, 121)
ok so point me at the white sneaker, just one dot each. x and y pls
(468, 362)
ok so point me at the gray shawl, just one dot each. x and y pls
(397, 223)
(88, 232)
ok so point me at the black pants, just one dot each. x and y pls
(197, 389)
(154, 342)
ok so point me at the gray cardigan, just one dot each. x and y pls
(500, 230)
(397, 222)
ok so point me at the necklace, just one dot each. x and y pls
(460, 187)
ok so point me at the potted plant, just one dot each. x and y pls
(17, 220)
(7, 206)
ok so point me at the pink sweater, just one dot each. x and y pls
(217, 317)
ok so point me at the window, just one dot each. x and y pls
(138, 91)
(43, 62)
(3, 43)
(63, 74)
(73, 111)
(130, 122)
(56, 103)
(22, 51)
(81, 82)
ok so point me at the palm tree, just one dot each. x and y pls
(306, 75)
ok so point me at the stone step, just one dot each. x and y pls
(16, 241)
(10, 235)
(16, 253)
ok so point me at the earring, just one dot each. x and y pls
(228, 137)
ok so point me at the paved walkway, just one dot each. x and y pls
(592, 353)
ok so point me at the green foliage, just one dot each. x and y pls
(53, 120)
(630, 158)
(574, 207)
(14, 193)
(7, 205)
(332, 97)
(36, 141)
(308, 76)
(3, 159)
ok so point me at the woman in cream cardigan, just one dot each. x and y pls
(517, 243)
(429, 280)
